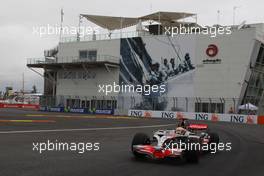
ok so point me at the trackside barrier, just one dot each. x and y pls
(77, 110)
(261, 120)
(234, 118)
(23, 106)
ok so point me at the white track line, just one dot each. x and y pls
(84, 129)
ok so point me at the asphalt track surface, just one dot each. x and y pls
(114, 157)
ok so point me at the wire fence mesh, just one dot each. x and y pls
(123, 103)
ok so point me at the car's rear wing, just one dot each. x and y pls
(198, 126)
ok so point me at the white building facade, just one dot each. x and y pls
(201, 73)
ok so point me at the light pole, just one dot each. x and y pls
(218, 17)
(79, 27)
(234, 14)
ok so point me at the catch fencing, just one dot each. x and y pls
(122, 104)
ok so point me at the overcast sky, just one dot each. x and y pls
(18, 17)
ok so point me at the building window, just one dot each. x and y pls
(88, 55)
(69, 75)
(83, 54)
(92, 55)
(260, 58)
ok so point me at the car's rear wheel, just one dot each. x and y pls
(213, 142)
(214, 138)
(191, 154)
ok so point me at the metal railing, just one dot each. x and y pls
(123, 103)
(105, 36)
(73, 59)
(116, 35)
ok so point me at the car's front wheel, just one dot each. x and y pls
(139, 139)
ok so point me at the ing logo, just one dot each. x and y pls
(147, 114)
(214, 118)
(250, 120)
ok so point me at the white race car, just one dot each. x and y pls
(185, 142)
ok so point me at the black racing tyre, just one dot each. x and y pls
(140, 139)
(214, 138)
(191, 155)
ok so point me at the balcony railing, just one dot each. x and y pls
(76, 59)
(108, 36)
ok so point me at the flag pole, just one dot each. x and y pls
(61, 21)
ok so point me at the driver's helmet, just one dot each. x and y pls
(180, 131)
(183, 123)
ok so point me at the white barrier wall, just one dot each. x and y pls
(234, 118)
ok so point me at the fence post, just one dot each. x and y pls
(210, 105)
(186, 99)
(174, 103)
(234, 101)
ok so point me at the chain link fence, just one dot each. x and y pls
(121, 104)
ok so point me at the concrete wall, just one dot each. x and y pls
(99, 75)
(88, 87)
(224, 79)
(69, 51)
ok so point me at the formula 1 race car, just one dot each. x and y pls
(187, 142)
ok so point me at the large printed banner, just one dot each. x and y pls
(77, 110)
(157, 61)
(235, 118)
(24, 106)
